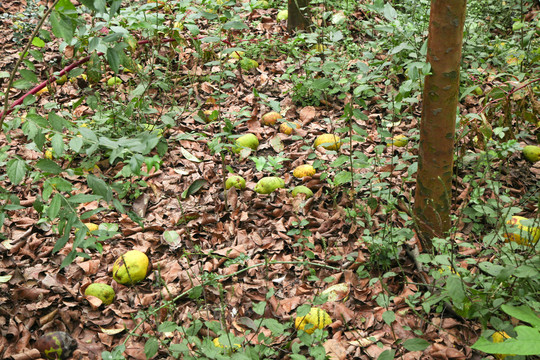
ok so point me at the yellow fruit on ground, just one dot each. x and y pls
(248, 64)
(301, 189)
(269, 184)
(45, 90)
(270, 118)
(102, 291)
(531, 153)
(499, 337)
(131, 268)
(218, 344)
(48, 154)
(236, 181)
(303, 171)
(288, 130)
(246, 141)
(62, 80)
(319, 48)
(328, 141)
(526, 235)
(282, 15)
(318, 318)
(398, 141)
(91, 226)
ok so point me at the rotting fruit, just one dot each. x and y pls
(328, 141)
(131, 268)
(236, 181)
(270, 118)
(526, 235)
(56, 345)
(269, 184)
(301, 189)
(303, 171)
(103, 292)
(316, 318)
(398, 141)
(246, 141)
(286, 129)
(531, 153)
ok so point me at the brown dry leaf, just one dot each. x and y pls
(335, 349)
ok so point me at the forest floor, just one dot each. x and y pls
(224, 232)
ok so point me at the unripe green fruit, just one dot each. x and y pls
(248, 64)
(269, 184)
(246, 141)
(114, 81)
(282, 15)
(102, 291)
(236, 181)
(531, 153)
(301, 189)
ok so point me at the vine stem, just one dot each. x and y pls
(222, 277)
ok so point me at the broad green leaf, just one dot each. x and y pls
(99, 187)
(194, 187)
(523, 313)
(151, 347)
(49, 166)
(16, 170)
(416, 344)
(28, 76)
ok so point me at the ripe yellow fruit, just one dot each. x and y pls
(398, 141)
(246, 141)
(288, 130)
(102, 291)
(499, 337)
(218, 344)
(269, 184)
(270, 118)
(91, 226)
(303, 171)
(45, 90)
(317, 318)
(301, 189)
(236, 181)
(48, 154)
(62, 80)
(131, 268)
(526, 235)
(282, 15)
(531, 153)
(328, 141)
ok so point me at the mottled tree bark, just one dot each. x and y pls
(298, 18)
(433, 196)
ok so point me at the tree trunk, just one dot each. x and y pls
(433, 196)
(298, 18)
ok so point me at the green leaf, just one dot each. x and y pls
(194, 187)
(387, 355)
(523, 313)
(57, 122)
(151, 347)
(76, 144)
(259, 307)
(16, 170)
(389, 317)
(113, 57)
(83, 198)
(99, 187)
(54, 206)
(416, 344)
(37, 42)
(167, 326)
(189, 156)
(49, 166)
(455, 290)
(28, 76)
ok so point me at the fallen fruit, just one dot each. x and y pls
(218, 344)
(248, 64)
(526, 235)
(236, 181)
(282, 15)
(531, 153)
(328, 141)
(114, 81)
(102, 291)
(270, 118)
(303, 171)
(62, 80)
(288, 130)
(398, 141)
(316, 318)
(301, 189)
(45, 90)
(319, 48)
(499, 337)
(237, 55)
(48, 154)
(131, 267)
(269, 184)
(56, 345)
(91, 226)
(246, 141)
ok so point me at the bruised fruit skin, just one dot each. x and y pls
(525, 235)
(328, 141)
(303, 171)
(288, 130)
(131, 268)
(246, 141)
(56, 345)
(103, 292)
(236, 181)
(531, 153)
(301, 189)
(318, 318)
(270, 118)
(269, 184)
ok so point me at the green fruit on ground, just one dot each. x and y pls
(131, 268)
(102, 291)
(525, 235)
(236, 181)
(285, 127)
(270, 118)
(237, 55)
(269, 184)
(56, 345)
(301, 189)
(531, 153)
(398, 141)
(62, 80)
(328, 141)
(303, 171)
(282, 15)
(114, 81)
(316, 318)
(246, 141)
(478, 90)
(248, 64)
